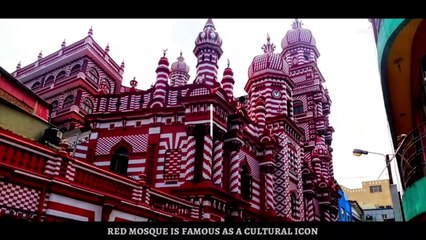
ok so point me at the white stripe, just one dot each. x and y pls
(137, 161)
(82, 147)
(140, 169)
(114, 214)
(104, 163)
(80, 155)
(154, 130)
(67, 215)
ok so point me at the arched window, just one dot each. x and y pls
(93, 75)
(120, 161)
(246, 180)
(49, 80)
(107, 85)
(68, 102)
(88, 105)
(293, 205)
(36, 86)
(75, 69)
(61, 75)
(298, 107)
(54, 105)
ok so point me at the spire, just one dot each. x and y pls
(90, 33)
(40, 55)
(228, 62)
(228, 82)
(268, 47)
(164, 52)
(18, 66)
(122, 64)
(107, 48)
(133, 83)
(63, 44)
(180, 58)
(296, 24)
(209, 23)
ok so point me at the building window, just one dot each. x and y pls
(75, 69)
(293, 205)
(288, 107)
(88, 106)
(298, 107)
(93, 75)
(49, 80)
(68, 102)
(54, 105)
(246, 179)
(120, 161)
(36, 86)
(374, 189)
(61, 75)
(107, 86)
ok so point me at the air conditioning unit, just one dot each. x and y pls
(52, 136)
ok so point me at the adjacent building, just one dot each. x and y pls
(402, 65)
(186, 149)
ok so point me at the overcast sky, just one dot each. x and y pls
(348, 62)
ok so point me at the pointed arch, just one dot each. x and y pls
(246, 180)
(120, 157)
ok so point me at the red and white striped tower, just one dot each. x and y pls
(179, 72)
(208, 51)
(207, 153)
(267, 170)
(218, 158)
(235, 175)
(190, 153)
(228, 82)
(162, 78)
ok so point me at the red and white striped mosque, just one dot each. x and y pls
(186, 149)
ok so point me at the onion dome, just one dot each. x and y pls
(269, 62)
(321, 150)
(133, 82)
(180, 65)
(209, 35)
(297, 35)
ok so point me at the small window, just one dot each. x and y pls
(138, 123)
(293, 205)
(93, 75)
(120, 161)
(75, 69)
(68, 102)
(61, 75)
(49, 80)
(111, 126)
(246, 182)
(55, 106)
(375, 189)
(36, 86)
(298, 107)
(88, 106)
(168, 121)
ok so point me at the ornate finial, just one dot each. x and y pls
(40, 55)
(63, 44)
(122, 64)
(296, 24)
(18, 66)
(90, 33)
(209, 23)
(268, 47)
(165, 51)
(180, 58)
(133, 82)
(228, 62)
(107, 48)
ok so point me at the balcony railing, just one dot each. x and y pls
(31, 159)
(412, 164)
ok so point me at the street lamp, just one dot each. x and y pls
(359, 152)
